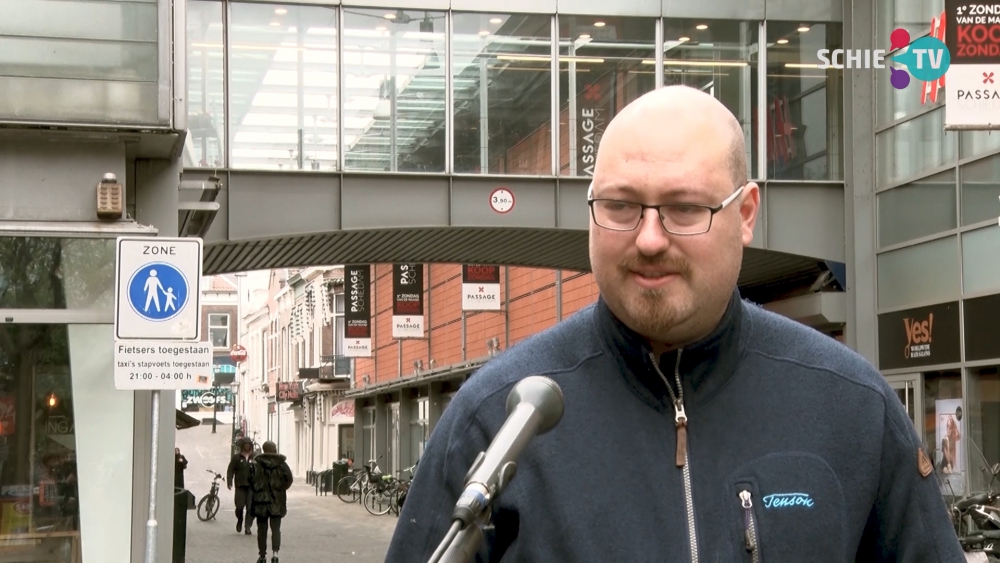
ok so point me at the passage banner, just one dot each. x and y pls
(480, 287)
(407, 301)
(358, 314)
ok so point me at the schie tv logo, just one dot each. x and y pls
(927, 59)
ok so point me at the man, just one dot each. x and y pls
(697, 427)
(239, 469)
(271, 479)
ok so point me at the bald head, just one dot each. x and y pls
(680, 112)
(681, 149)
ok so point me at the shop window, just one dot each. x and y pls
(913, 148)
(980, 266)
(984, 424)
(980, 185)
(394, 75)
(944, 429)
(502, 80)
(206, 142)
(604, 64)
(40, 500)
(283, 83)
(922, 273)
(218, 330)
(804, 120)
(918, 209)
(60, 274)
(418, 428)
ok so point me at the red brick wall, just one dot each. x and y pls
(531, 309)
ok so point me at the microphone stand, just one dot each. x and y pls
(534, 406)
(465, 536)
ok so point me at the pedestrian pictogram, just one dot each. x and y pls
(158, 293)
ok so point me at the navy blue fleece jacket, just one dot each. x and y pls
(797, 451)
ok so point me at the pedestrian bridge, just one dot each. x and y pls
(258, 220)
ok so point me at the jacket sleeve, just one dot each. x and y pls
(230, 471)
(287, 474)
(909, 522)
(427, 513)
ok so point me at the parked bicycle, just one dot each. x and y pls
(352, 488)
(402, 488)
(383, 496)
(208, 506)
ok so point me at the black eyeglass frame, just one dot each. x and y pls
(643, 207)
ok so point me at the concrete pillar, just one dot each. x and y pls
(859, 188)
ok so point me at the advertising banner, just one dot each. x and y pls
(919, 337)
(950, 458)
(480, 287)
(357, 311)
(972, 34)
(407, 301)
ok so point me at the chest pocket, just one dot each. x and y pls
(786, 508)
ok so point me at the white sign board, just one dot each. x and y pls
(358, 347)
(162, 365)
(480, 297)
(158, 288)
(407, 326)
(972, 101)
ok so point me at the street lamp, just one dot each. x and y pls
(235, 388)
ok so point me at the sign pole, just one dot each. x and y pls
(158, 332)
(151, 524)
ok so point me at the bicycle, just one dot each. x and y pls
(398, 496)
(383, 496)
(208, 506)
(352, 488)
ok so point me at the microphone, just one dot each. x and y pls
(534, 406)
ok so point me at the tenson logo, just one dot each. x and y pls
(783, 500)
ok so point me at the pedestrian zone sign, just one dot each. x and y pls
(158, 288)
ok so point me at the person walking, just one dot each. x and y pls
(239, 470)
(271, 478)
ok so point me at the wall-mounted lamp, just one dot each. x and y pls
(51, 401)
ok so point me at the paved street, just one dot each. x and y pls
(319, 529)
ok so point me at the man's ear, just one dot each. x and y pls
(749, 208)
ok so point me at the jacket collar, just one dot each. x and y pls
(706, 366)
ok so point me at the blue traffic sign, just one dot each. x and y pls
(157, 291)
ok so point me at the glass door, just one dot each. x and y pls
(908, 388)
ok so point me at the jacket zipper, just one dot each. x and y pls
(681, 456)
(750, 532)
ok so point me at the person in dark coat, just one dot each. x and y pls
(271, 479)
(180, 464)
(239, 470)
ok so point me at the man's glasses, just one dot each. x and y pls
(677, 219)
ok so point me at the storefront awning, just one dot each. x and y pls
(185, 420)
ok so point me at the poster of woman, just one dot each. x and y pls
(950, 456)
